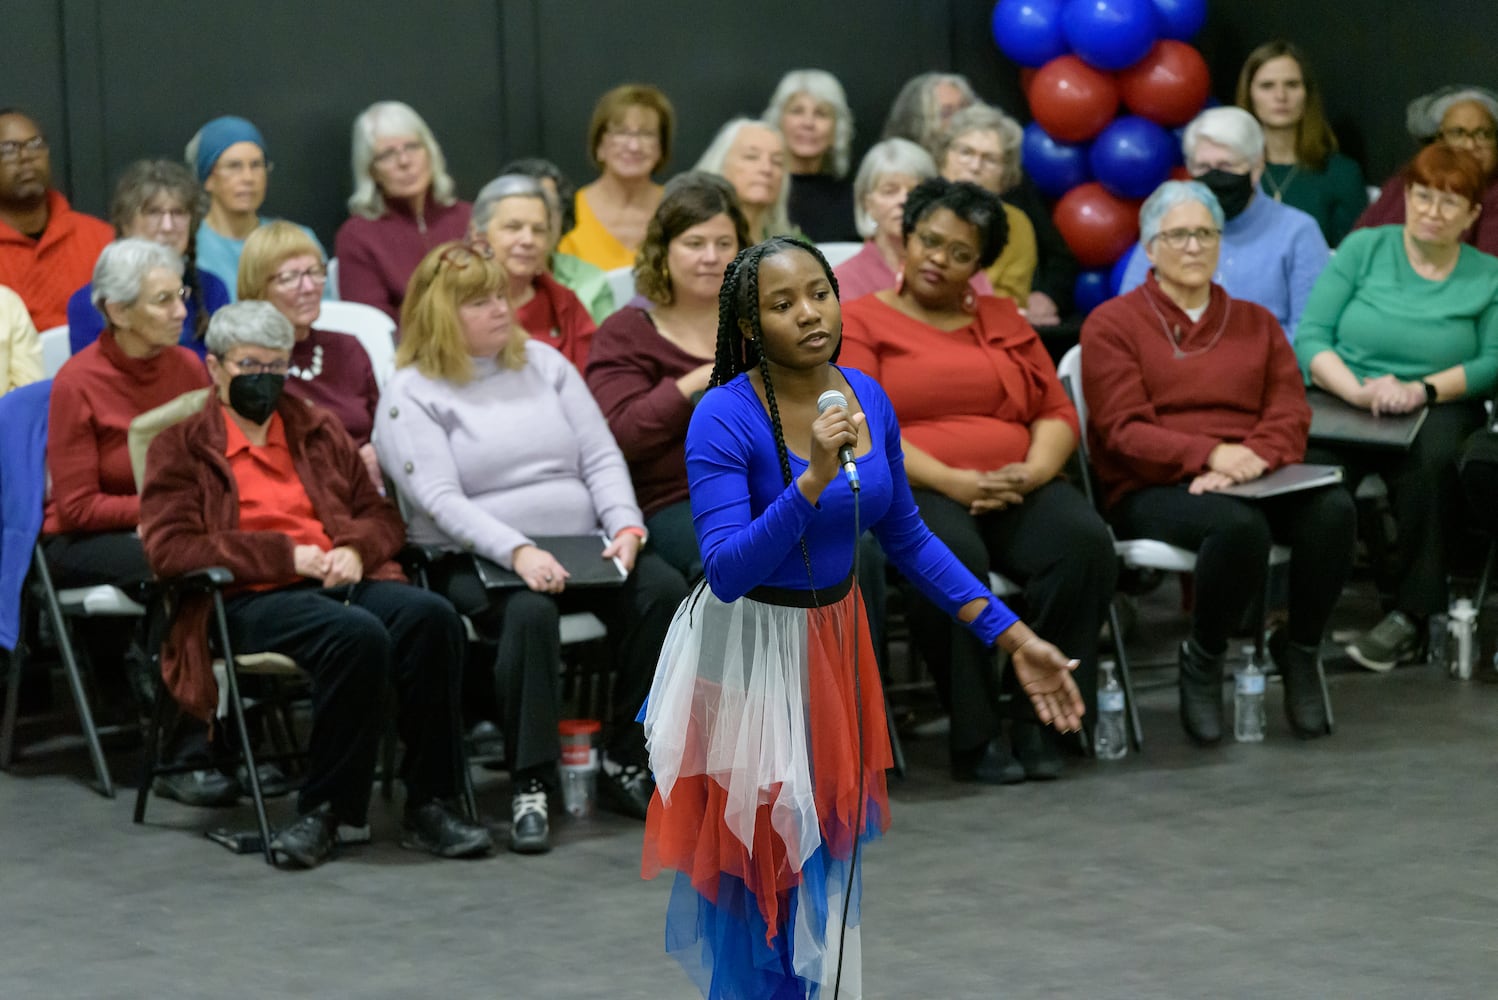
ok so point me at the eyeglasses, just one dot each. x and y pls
(460, 255)
(989, 161)
(11, 149)
(959, 253)
(156, 215)
(1179, 239)
(249, 366)
(1445, 203)
(235, 167)
(1483, 136)
(287, 280)
(183, 294)
(387, 156)
(622, 136)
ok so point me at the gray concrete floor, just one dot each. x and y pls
(1360, 866)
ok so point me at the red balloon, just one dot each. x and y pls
(1099, 227)
(1071, 100)
(1169, 86)
(1180, 173)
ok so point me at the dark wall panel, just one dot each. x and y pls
(31, 75)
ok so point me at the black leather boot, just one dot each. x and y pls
(1304, 708)
(1201, 694)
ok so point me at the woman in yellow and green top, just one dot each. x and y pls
(1403, 317)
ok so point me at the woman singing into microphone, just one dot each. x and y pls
(765, 724)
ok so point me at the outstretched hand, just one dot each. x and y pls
(1044, 674)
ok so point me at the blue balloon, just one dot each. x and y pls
(1054, 167)
(1109, 34)
(1029, 31)
(1092, 289)
(1180, 19)
(1132, 157)
(1116, 274)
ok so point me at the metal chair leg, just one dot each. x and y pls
(237, 705)
(896, 749)
(153, 752)
(75, 679)
(1136, 728)
(12, 693)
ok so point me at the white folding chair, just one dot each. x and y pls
(373, 329)
(838, 252)
(332, 292)
(55, 349)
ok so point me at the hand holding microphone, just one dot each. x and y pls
(835, 429)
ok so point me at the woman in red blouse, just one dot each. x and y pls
(987, 428)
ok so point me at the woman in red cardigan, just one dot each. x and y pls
(1190, 391)
(986, 429)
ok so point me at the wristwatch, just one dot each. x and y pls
(1430, 393)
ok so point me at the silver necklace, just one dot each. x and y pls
(1277, 189)
(1173, 332)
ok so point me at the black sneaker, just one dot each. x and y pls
(273, 781)
(530, 831)
(308, 842)
(205, 789)
(436, 829)
(625, 788)
(1391, 642)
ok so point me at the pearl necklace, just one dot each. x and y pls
(311, 371)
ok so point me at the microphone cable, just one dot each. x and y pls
(858, 819)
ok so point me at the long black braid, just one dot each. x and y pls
(738, 308)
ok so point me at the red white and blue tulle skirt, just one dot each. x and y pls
(753, 731)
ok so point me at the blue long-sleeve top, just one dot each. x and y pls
(750, 523)
(85, 322)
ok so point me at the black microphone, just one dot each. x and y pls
(825, 402)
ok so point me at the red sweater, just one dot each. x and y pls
(557, 318)
(966, 396)
(376, 257)
(94, 397)
(1155, 412)
(46, 272)
(632, 373)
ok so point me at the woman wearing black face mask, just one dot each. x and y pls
(274, 490)
(1271, 254)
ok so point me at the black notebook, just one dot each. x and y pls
(1285, 479)
(1334, 421)
(580, 555)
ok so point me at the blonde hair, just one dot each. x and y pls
(451, 274)
(267, 248)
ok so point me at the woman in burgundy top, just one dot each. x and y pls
(402, 206)
(986, 429)
(1190, 391)
(282, 266)
(650, 366)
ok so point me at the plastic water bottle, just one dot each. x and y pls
(1461, 647)
(1248, 701)
(579, 765)
(1110, 740)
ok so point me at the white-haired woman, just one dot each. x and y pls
(750, 155)
(403, 205)
(1464, 118)
(890, 169)
(925, 104)
(514, 215)
(811, 110)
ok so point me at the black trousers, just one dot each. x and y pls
(1057, 548)
(1425, 496)
(1231, 539)
(529, 658)
(355, 642)
(115, 558)
(1478, 467)
(674, 539)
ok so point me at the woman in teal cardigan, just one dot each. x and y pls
(1404, 317)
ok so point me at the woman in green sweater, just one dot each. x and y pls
(1302, 166)
(1404, 317)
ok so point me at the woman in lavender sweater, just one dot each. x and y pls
(494, 439)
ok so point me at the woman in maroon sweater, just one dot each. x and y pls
(649, 367)
(1190, 391)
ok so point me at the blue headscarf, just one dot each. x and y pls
(217, 136)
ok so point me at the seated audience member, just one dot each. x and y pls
(231, 162)
(890, 169)
(1271, 254)
(1302, 167)
(403, 205)
(272, 489)
(925, 104)
(1188, 391)
(811, 111)
(282, 266)
(986, 429)
(20, 347)
(156, 200)
(494, 440)
(90, 534)
(629, 141)
(1407, 317)
(750, 155)
(513, 214)
(46, 249)
(1464, 118)
(590, 284)
(650, 366)
(981, 146)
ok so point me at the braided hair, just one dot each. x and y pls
(738, 307)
